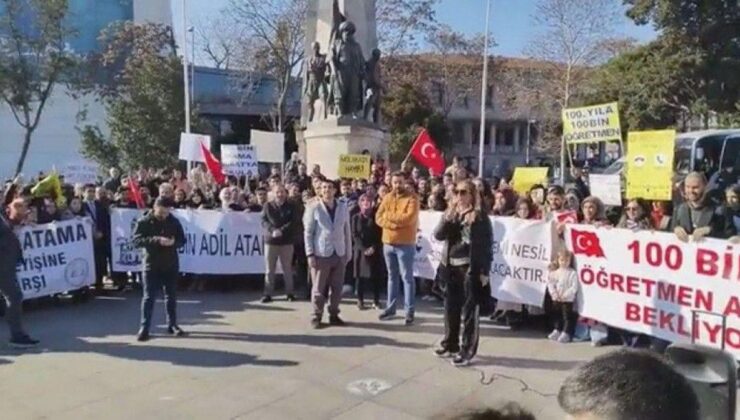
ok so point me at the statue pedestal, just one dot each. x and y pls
(327, 139)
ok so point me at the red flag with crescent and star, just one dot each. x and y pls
(213, 165)
(425, 151)
(586, 243)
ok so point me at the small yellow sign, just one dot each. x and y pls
(526, 178)
(354, 166)
(650, 164)
(591, 124)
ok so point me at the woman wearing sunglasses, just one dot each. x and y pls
(466, 261)
(634, 216)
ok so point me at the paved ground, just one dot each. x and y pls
(253, 361)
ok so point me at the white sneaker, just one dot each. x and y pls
(554, 335)
(564, 338)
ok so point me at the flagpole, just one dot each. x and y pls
(185, 74)
(483, 88)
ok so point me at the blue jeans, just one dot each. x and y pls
(400, 262)
(154, 282)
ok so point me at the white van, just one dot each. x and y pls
(705, 151)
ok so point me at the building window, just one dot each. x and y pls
(476, 132)
(487, 137)
(438, 92)
(489, 96)
(458, 131)
(509, 136)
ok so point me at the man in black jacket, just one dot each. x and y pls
(160, 234)
(697, 216)
(280, 222)
(11, 254)
(97, 210)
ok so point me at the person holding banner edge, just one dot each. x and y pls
(12, 253)
(160, 234)
(465, 266)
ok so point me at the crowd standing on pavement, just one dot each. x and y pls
(359, 234)
(328, 234)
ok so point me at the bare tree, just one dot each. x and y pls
(276, 33)
(218, 40)
(454, 66)
(400, 23)
(32, 61)
(573, 37)
(572, 40)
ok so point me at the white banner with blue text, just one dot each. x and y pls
(57, 257)
(216, 242)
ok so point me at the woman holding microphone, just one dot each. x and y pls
(466, 261)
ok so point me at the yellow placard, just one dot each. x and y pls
(591, 124)
(526, 178)
(354, 166)
(650, 164)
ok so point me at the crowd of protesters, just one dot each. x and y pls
(382, 218)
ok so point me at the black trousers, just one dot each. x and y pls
(563, 317)
(375, 280)
(101, 252)
(463, 295)
(300, 268)
(154, 282)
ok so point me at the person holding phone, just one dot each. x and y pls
(160, 234)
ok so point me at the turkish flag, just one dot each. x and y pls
(586, 243)
(425, 151)
(567, 216)
(213, 165)
(136, 192)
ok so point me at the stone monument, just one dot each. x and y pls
(342, 85)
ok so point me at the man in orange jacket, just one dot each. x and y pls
(398, 216)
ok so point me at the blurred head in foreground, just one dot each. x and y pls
(627, 385)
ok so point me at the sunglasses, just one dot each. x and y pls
(462, 192)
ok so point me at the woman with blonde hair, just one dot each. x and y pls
(466, 258)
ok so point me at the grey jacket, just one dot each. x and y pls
(325, 237)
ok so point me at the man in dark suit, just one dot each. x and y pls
(697, 216)
(280, 222)
(96, 208)
(11, 254)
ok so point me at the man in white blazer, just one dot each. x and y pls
(328, 248)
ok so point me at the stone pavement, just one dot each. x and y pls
(251, 361)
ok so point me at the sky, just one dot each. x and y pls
(510, 25)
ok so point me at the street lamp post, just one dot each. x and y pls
(186, 88)
(191, 29)
(483, 88)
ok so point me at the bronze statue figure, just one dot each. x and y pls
(315, 84)
(373, 86)
(347, 71)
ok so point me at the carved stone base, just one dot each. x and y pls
(326, 140)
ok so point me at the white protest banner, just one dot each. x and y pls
(652, 283)
(607, 187)
(79, 173)
(190, 146)
(521, 256)
(217, 242)
(57, 257)
(428, 250)
(239, 159)
(269, 145)
(522, 250)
